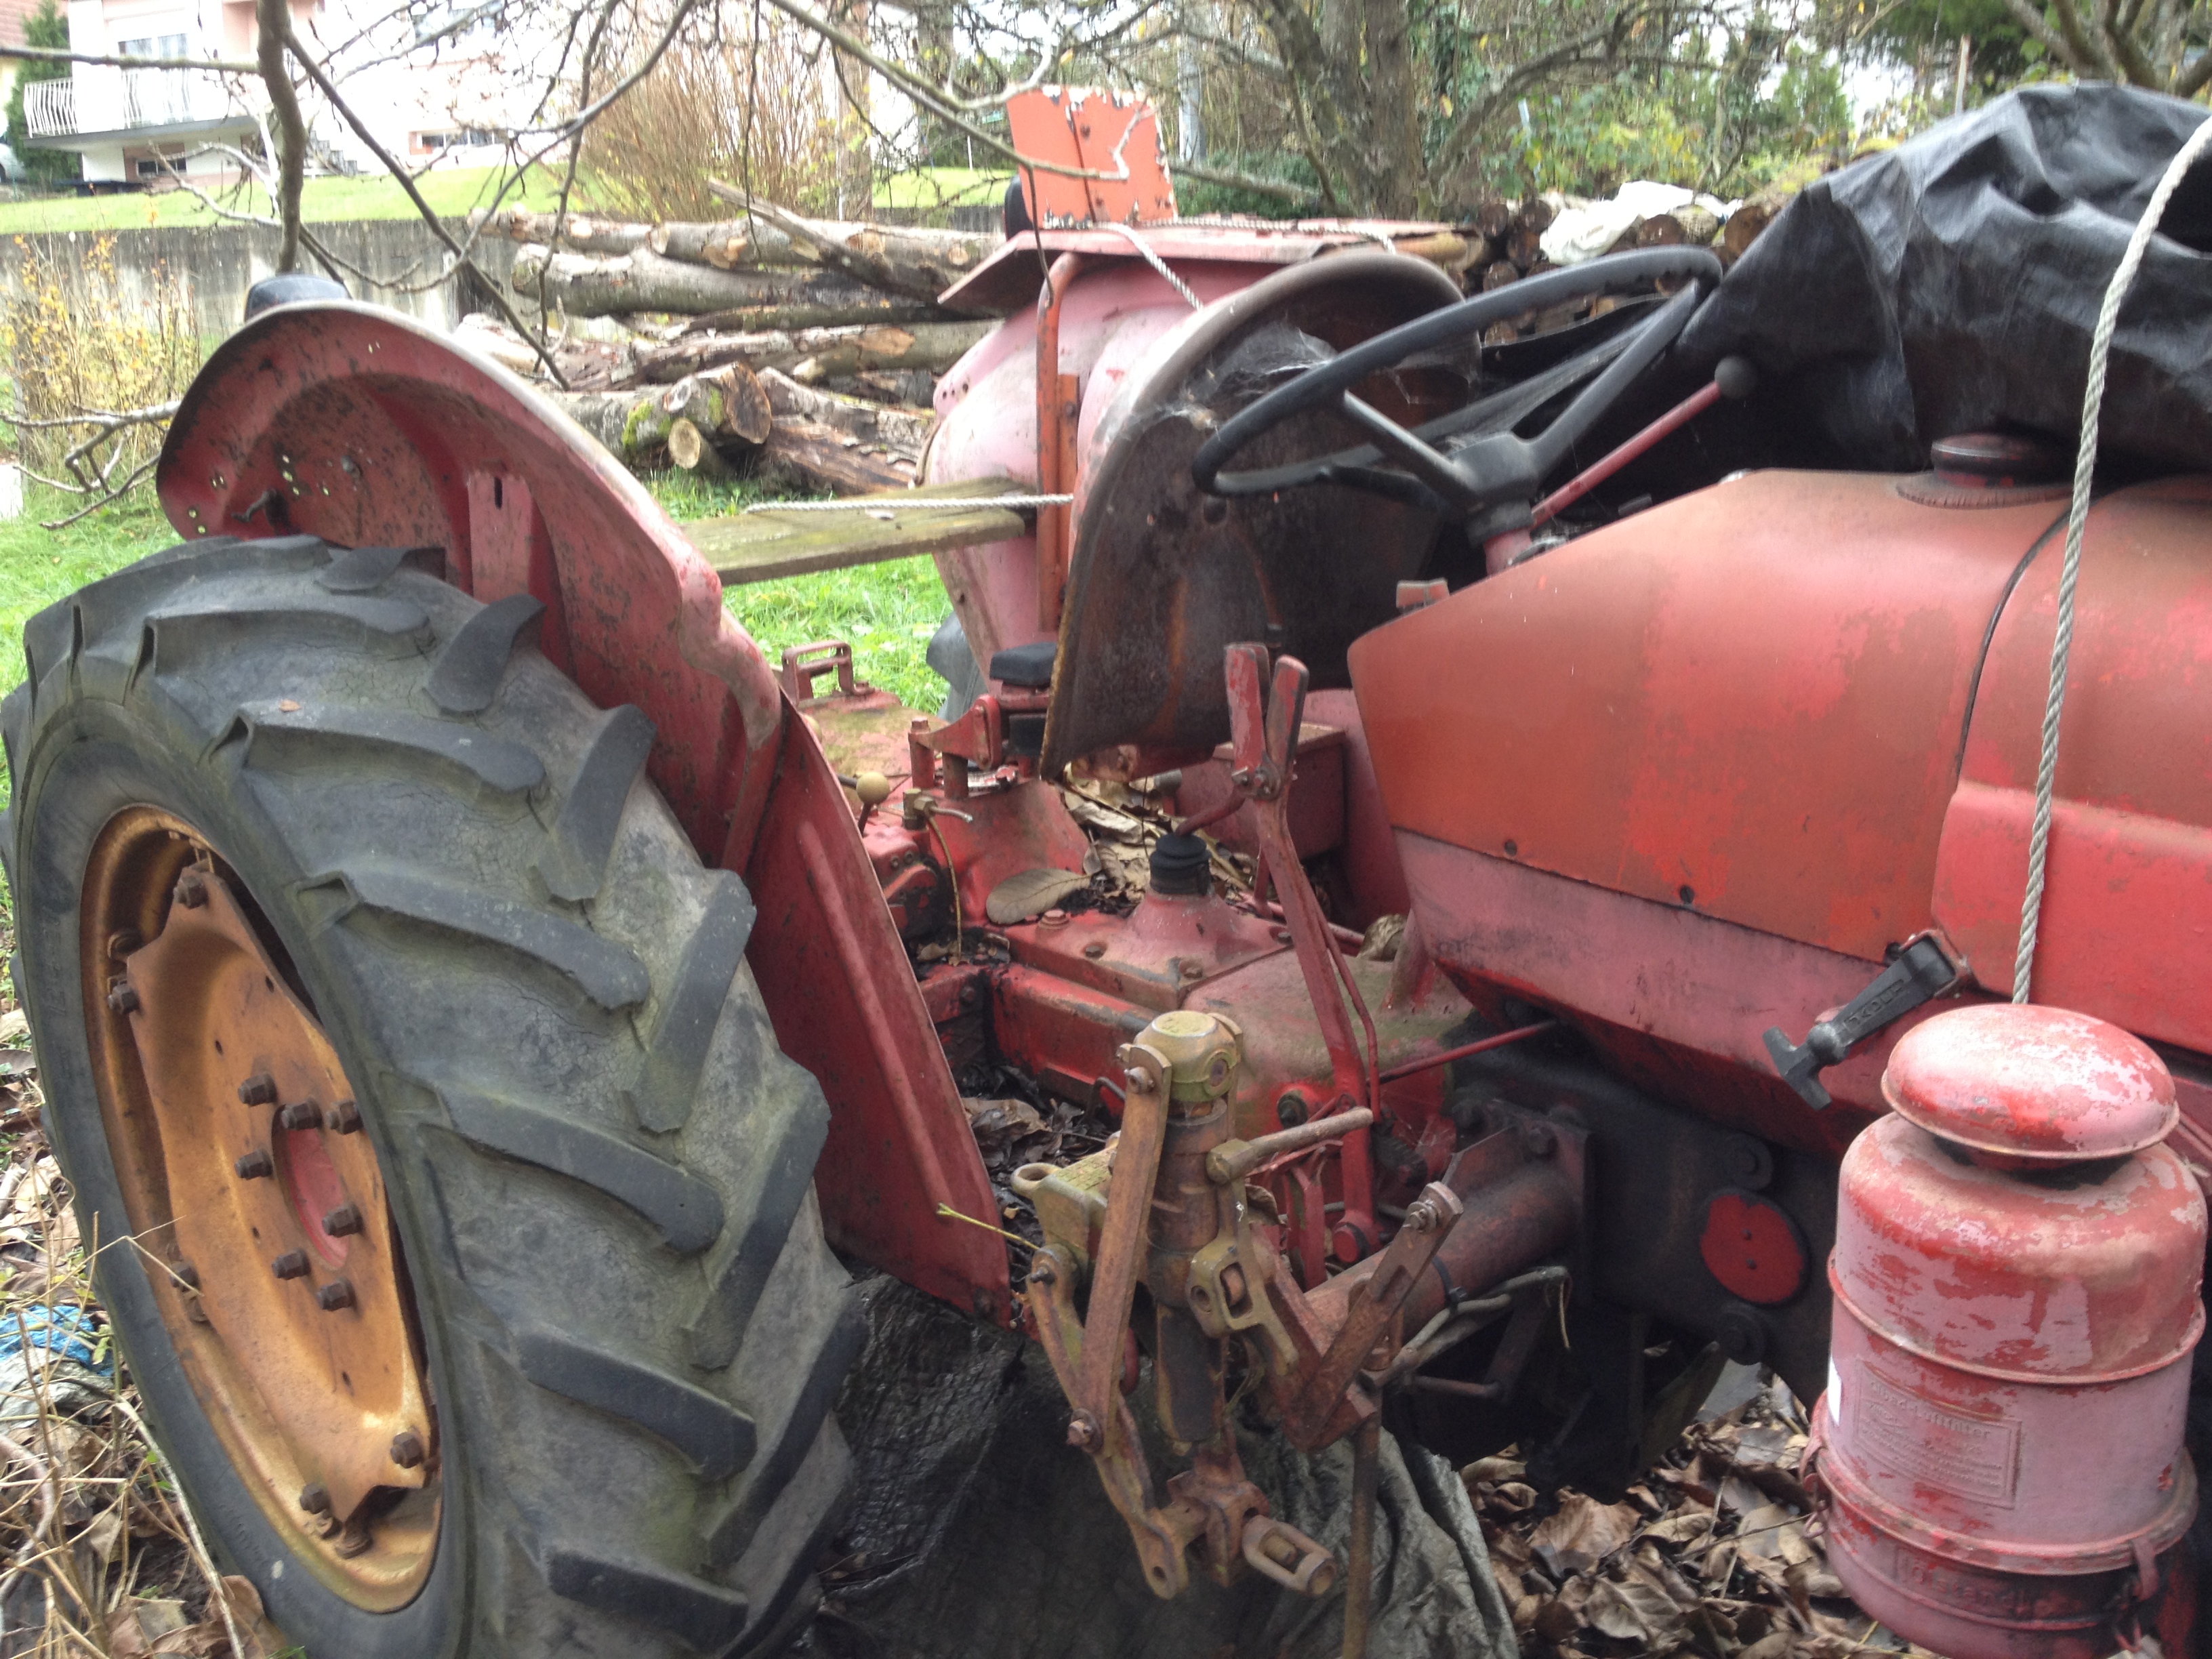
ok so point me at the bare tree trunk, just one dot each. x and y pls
(272, 29)
(913, 261)
(729, 408)
(578, 233)
(833, 351)
(591, 285)
(1190, 117)
(855, 169)
(1393, 134)
(904, 430)
(822, 457)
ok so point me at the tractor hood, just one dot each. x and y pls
(1769, 731)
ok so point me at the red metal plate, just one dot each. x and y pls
(1112, 136)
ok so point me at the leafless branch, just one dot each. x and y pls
(44, 55)
(273, 18)
(315, 73)
(1297, 194)
(927, 95)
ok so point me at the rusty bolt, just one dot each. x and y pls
(192, 890)
(315, 1498)
(1083, 1431)
(259, 1089)
(1282, 936)
(338, 1294)
(1095, 950)
(967, 994)
(122, 999)
(1041, 1272)
(1232, 1283)
(1137, 1082)
(256, 1165)
(1193, 970)
(301, 1115)
(1422, 1217)
(346, 1218)
(343, 1119)
(293, 1264)
(1538, 1139)
(407, 1449)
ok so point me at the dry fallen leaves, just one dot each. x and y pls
(98, 1558)
(1714, 1554)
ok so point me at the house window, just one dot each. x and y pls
(156, 166)
(155, 46)
(433, 143)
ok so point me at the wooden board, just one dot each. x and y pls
(765, 546)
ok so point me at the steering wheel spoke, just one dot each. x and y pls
(1436, 471)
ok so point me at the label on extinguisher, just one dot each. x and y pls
(1933, 1440)
(1835, 1393)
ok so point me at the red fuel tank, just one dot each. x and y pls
(1998, 1455)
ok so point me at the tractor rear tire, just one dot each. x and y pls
(598, 1164)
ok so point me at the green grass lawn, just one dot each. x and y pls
(451, 191)
(886, 612)
(932, 188)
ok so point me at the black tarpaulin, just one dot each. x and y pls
(1952, 285)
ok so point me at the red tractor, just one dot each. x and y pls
(464, 979)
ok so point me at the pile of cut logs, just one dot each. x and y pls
(1508, 242)
(801, 348)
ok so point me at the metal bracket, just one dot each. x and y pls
(1923, 969)
(803, 663)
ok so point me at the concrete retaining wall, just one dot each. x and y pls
(220, 263)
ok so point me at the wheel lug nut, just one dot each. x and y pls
(192, 888)
(338, 1294)
(256, 1165)
(343, 1119)
(315, 1498)
(301, 1115)
(122, 999)
(346, 1218)
(407, 1449)
(259, 1089)
(293, 1264)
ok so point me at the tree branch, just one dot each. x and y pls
(927, 95)
(2030, 18)
(44, 55)
(322, 83)
(2083, 53)
(1297, 195)
(272, 18)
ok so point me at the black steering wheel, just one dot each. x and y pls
(1481, 464)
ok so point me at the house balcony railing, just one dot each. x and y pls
(102, 99)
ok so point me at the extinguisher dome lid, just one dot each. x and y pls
(2041, 1085)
